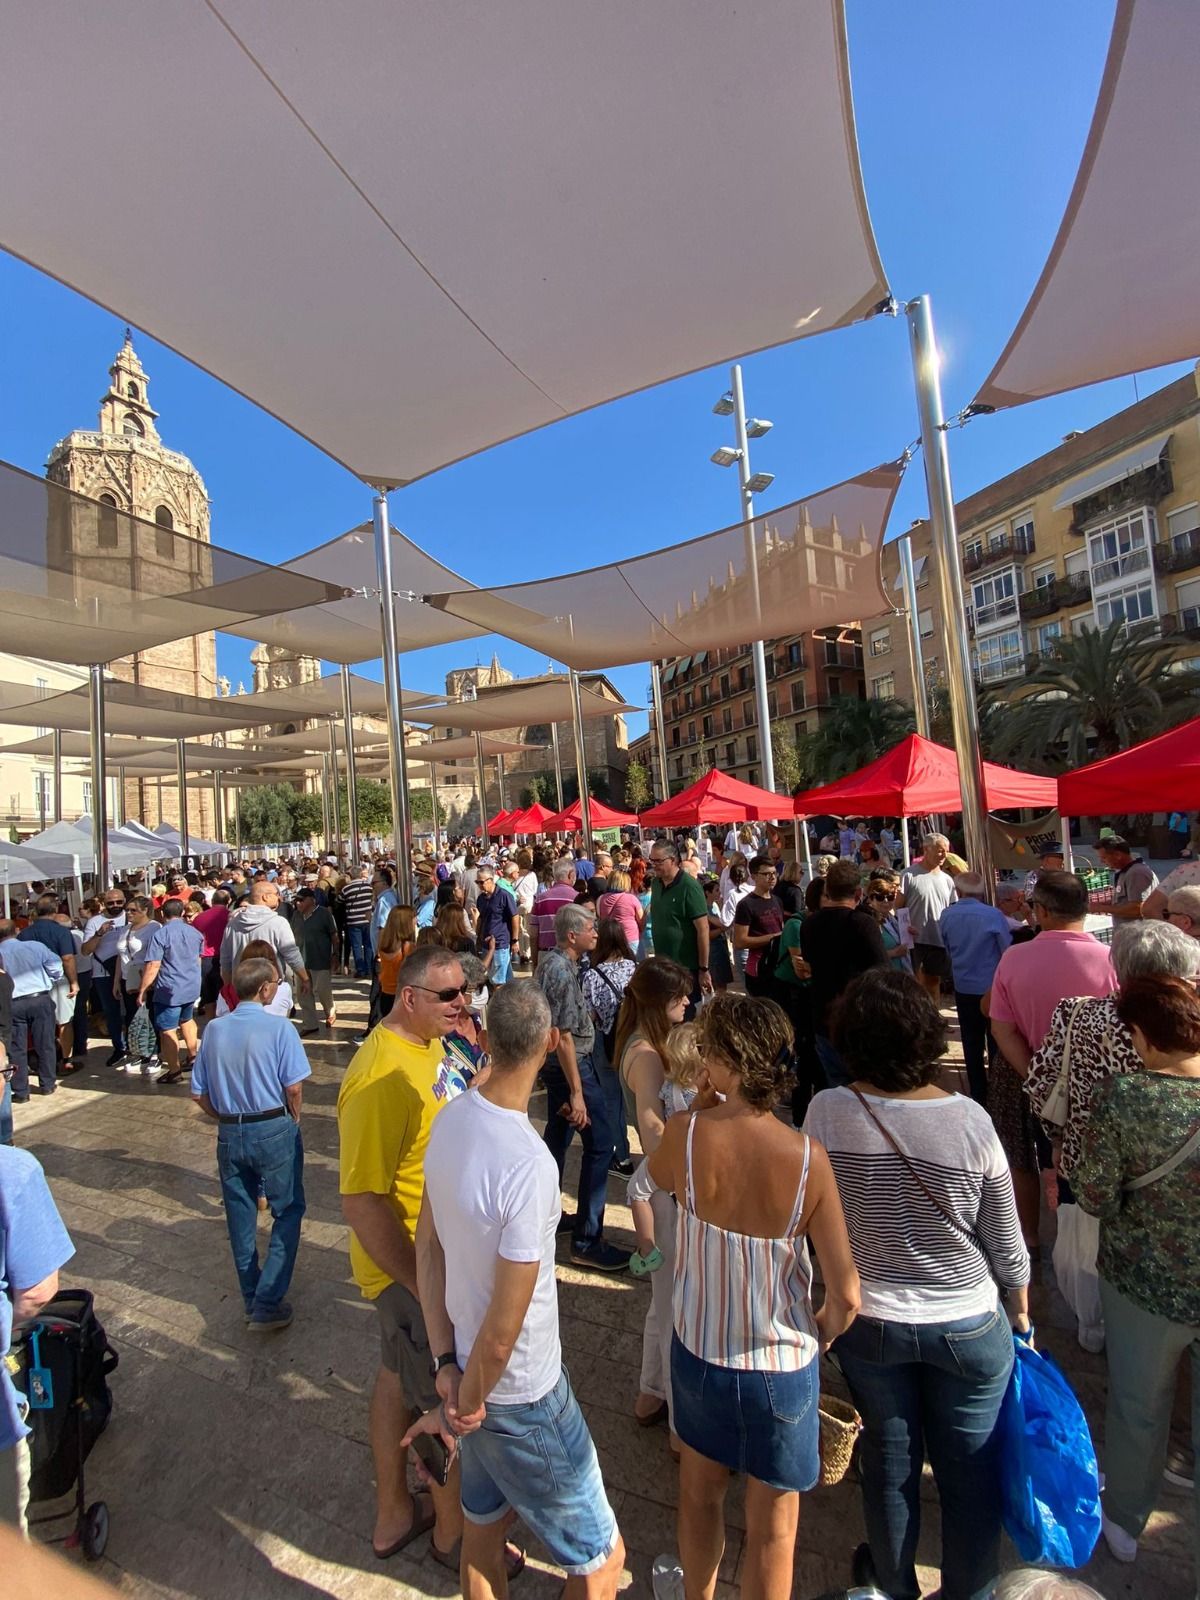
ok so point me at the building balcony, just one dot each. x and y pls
(1185, 623)
(1041, 601)
(1074, 589)
(1120, 567)
(1179, 552)
(998, 552)
(1002, 670)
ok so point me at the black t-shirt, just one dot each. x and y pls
(760, 914)
(839, 942)
(790, 897)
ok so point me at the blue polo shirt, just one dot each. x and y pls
(179, 947)
(33, 1244)
(975, 936)
(247, 1059)
(495, 918)
(44, 930)
(32, 968)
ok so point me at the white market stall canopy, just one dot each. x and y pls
(522, 706)
(810, 564)
(28, 863)
(413, 231)
(1118, 291)
(87, 581)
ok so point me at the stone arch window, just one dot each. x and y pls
(289, 727)
(133, 392)
(132, 428)
(164, 539)
(106, 523)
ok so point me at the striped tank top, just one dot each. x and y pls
(738, 1300)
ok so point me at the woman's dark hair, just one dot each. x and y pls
(1167, 1010)
(739, 873)
(611, 943)
(888, 1031)
(754, 1039)
(814, 895)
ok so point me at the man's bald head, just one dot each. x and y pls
(264, 893)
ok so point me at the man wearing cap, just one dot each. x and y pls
(316, 935)
(1050, 859)
(1133, 881)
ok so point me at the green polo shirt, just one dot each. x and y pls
(673, 914)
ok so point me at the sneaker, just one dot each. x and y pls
(566, 1223)
(152, 1068)
(359, 1038)
(862, 1568)
(117, 1059)
(1122, 1546)
(270, 1321)
(624, 1165)
(1180, 1469)
(599, 1257)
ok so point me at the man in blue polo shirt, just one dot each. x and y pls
(171, 978)
(34, 971)
(975, 935)
(248, 1077)
(56, 936)
(497, 910)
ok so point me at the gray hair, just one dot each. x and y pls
(1154, 950)
(1030, 1583)
(249, 976)
(564, 870)
(574, 919)
(935, 838)
(668, 847)
(1186, 901)
(970, 884)
(518, 1024)
(822, 865)
(474, 971)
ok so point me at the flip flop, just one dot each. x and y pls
(514, 1557)
(420, 1524)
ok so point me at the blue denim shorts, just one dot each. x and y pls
(761, 1423)
(170, 1017)
(539, 1460)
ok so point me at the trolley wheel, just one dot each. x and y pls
(94, 1530)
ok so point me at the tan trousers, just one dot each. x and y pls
(320, 988)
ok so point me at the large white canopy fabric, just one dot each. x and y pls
(807, 565)
(1118, 291)
(413, 231)
(315, 740)
(131, 708)
(78, 747)
(438, 750)
(320, 697)
(522, 706)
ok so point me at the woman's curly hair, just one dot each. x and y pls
(888, 1031)
(754, 1040)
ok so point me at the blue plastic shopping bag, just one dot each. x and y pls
(1049, 1481)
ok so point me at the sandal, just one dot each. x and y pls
(420, 1524)
(514, 1557)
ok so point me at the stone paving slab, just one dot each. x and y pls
(236, 1467)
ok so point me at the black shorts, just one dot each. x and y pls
(930, 958)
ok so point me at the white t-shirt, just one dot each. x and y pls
(493, 1187)
(525, 889)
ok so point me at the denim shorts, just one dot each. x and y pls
(764, 1424)
(539, 1460)
(170, 1017)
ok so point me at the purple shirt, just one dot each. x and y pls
(545, 909)
(1033, 977)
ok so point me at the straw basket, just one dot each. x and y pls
(840, 1428)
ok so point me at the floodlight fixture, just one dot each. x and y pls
(725, 456)
(757, 427)
(760, 481)
(724, 406)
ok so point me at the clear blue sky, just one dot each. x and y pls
(971, 120)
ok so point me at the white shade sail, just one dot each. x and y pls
(130, 708)
(809, 564)
(413, 231)
(521, 706)
(1118, 291)
(320, 697)
(439, 750)
(78, 747)
(315, 740)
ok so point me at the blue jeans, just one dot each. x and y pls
(359, 935)
(6, 1116)
(614, 1099)
(112, 1003)
(596, 1139)
(836, 1075)
(256, 1158)
(501, 969)
(933, 1386)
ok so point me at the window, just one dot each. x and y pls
(707, 726)
(799, 695)
(769, 663)
(795, 654)
(694, 760)
(743, 677)
(994, 598)
(1120, 548)
(132, 392)
(1046, 636)
(831, 653)
(1187, 603)
(164, 539)
(752, 776)
(724, 686)
(972, 550)
(1135, 603)
(131, 427)
(1000, 656)
(1043, 575)
(752, 748)
(925, 624)
(747, 713)
(880, 642)
(1182, 526)
(833, 687)
(731, 755)
(772, 704)
(884, 688)
(106, 523)
(996, 537)
(87, 796)
(41, 794)
(679, 767)
(691, 738)
(726, 719)
(1023, 531)
(42, 685)
(1075, 563)
(675, 736)
(801, 731)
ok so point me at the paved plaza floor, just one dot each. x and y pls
(236, 1466)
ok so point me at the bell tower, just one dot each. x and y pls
(125, 410)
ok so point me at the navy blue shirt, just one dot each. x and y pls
(44, 930)
(495, 913)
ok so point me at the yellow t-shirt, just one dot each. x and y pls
(389, 1097)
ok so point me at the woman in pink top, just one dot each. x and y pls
(621, 903)
(211, 924)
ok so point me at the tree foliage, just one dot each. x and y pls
(374, 806)
(852, 733)
(785, 753)
(638, 792)
(265, 814)
(420, 802)
(537, 788)
(308, 816)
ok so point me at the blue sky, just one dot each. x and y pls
(971, 120)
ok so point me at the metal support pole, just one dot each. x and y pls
(351, 762)
(218, 808)
(99, 775)
(500, 782)
(916, 662)
(660, 731)
(759, 654)
(58, 805)
(237, 827)
(121, 814)
(181, 778)
(1068, 857)
(333, 792)
(433, 799)
(585, 801)
(401, 816)
(905, 847)
(955, 650)
(557, 763)
(326, 812)
(481, 785)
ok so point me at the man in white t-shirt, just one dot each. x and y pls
(926, 890)
(485, 1270)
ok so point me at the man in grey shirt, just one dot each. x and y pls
(926, 890)
(1133, 878)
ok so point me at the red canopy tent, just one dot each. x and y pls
(570, 819)
(919, 777)
(531, 820)
(1161, 774)
(716, 797)
(500, 822)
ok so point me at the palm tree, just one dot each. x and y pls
(1099, 691)
(852, 733)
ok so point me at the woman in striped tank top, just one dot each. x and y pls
(746, 1343)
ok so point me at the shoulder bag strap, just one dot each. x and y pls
(604, 978)
(920, 1182)
(1165, 1167)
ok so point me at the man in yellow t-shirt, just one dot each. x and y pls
(397, 1083)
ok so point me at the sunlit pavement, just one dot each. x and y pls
(236, 1466)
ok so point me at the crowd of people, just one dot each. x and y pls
(805, 1182)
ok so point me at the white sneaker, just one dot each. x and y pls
(153, 1068)
(1123, 1546)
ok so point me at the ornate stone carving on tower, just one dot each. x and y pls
(465, 682)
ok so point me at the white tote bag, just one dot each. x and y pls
(1075, 1250)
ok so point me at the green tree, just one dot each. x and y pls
(265, 814)
(537, 789)
(1098, 691)
(852, 733)
(785, 753)
(308, 816)
(374, 806)
(420, 803)
(638, 793)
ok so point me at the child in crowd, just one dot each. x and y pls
(685, 1080)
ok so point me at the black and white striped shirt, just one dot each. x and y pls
(915, 1265)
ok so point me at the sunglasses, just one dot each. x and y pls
(444, 995)
(881, 894)
(114, 905)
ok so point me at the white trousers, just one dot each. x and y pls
(656, 1335)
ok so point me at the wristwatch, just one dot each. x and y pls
(448, 1360)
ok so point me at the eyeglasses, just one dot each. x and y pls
(444, 995)
(882, 894)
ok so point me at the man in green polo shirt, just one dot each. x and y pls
(679, 915)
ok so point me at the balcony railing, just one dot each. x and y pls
(1007, 547)
(1179, 552)
(1185, 622)
(1122, 566)
(1075, 588)
(1040, 601)
(1000, 670)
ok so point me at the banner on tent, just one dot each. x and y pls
(1015, 845)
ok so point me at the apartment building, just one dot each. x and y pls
(1105, 526)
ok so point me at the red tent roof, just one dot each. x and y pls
(499, 823)
(1161, 774)
(717, 798)
(570, 819)
(532, 820)
(918, 777)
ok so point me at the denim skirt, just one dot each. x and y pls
(764, 1424)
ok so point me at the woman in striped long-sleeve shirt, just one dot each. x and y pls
(929, 1205)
